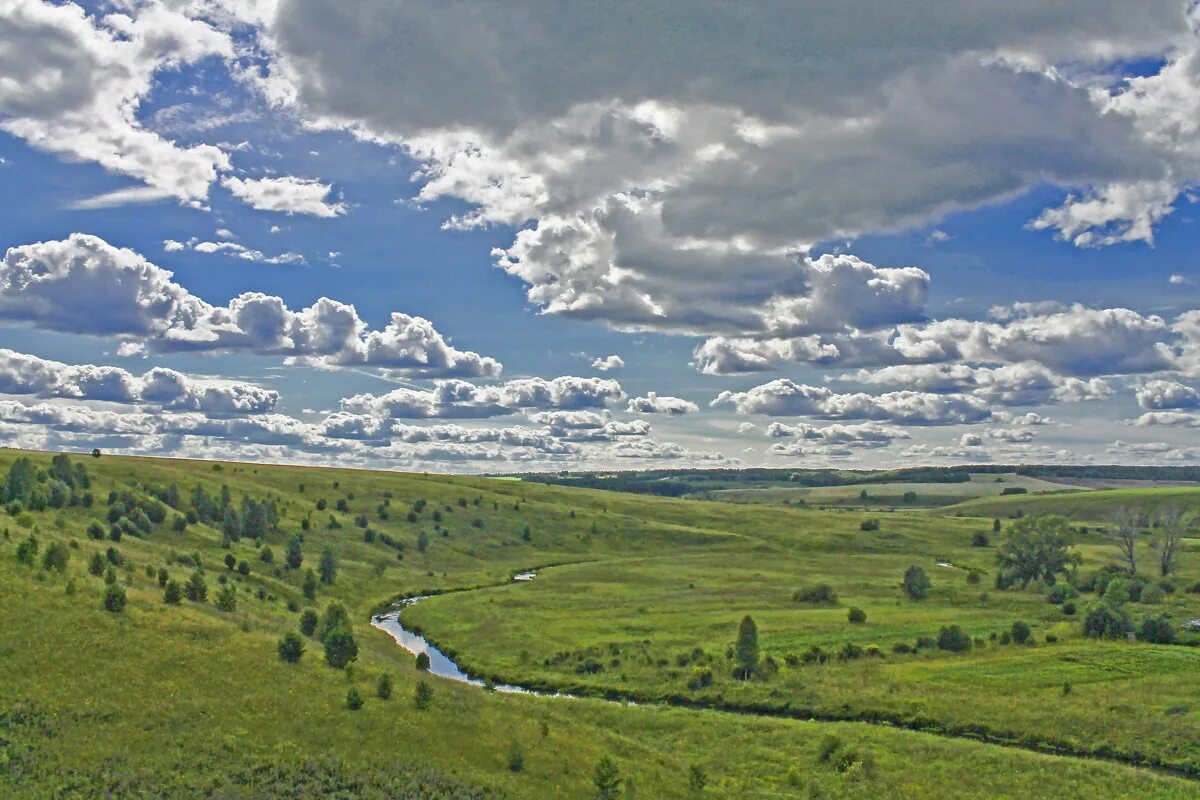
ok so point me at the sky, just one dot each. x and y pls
(463, 236)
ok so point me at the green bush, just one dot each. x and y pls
(1020, 632)
(172, 593)
(856, 616)
(383, 689)
(114, 599)
(916, 583)
(340, 648)
(954, 639)
(290, 647)
(308, 622)
(1153, 594)
(820, 594)
(354, 699)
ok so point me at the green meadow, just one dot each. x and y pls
(638, 598)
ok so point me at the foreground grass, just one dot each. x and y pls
(186, 700)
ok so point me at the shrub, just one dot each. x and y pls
(423, 661)
(95, 530)
(114, 599)
(243, 568)
(27, 550)
(916, 583)
(354, 699)
(383, 688)
(850, 652)
(96, 565)
(56, 557)
(821, 594)
(980, 539)
(954, 639)
(869, 525)
(308, 622)
(515, 758)
(340, 648)
(230, 561)
(925, 643)
(227, 599)
(310, 584)
(1104, 621)
(902, 648)
(290, 647)
(1153, 594)
(856, 616)
(1157, 630)
(1068, 608)
(1061, 593)
(196, 589)
(1020, 632)
(266, 556)
(423, 695)
(172, 593)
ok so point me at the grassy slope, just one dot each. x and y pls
(175, 701)
(1091, 506)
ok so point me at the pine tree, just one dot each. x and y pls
(328, 566)
(746, 649)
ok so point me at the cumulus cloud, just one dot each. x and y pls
(462, 399)
(1021, 384)
(74, 83)
(868, 435)
(239, 251)
(651, 403)
(288, 195)
(1158, 395)
(608, 363)
(84, 285)
(783, 398)
(26, 374)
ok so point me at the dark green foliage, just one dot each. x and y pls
(243, 568)
(820, 594)
(869, 525)
(746, 651)
(340, 648)
(383, 687)
(27, 550)
(515, 758)
(1061, 593)
(423, 695)
(916, 583)
(1156, 630)
(56, 557)
(172, 593)
(95, 530)
(290, 647)
(1106, 621)
(1020, 632)
(697, 779)
(227, 599)
(310, 584)
(856, 616)
(423, 661)
(607, 779)
(328, 567)
(96, 565)
(980, 539)
(308, 622)
(196, 589)
(295, 554)
(163, 576)
(354, 699)
(1036, 548)
(114, 599)
(954, 639)
(230, 561)
(266, 556)
(422, 541)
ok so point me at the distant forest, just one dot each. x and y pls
(679, 482)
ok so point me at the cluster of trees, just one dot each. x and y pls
(331, 629)
(28, 486)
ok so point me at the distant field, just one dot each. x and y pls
(1092, 506)
(928, 494)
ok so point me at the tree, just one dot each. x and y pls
(328, 566)
(290, 647)
(56, 557)
(1036, 548)
(196, 589)
(423, 695)
(916, 583)
(172, 593)
(746, 649)
(308, 622)
(1105, 620)
(227, 599)
(607, 778)
(96, 565)
(266, 556)
(856, 616)
(295, 554)
(340, 648)
(27, 550)
(1123, 529)
(354, 699)
(383, 689)
(1173, 525)
(1020, 632)
(953, 639)
(423, 661)
(515, 758)
(335, 617)
(422, 541)
(310, 584)
(114, 599)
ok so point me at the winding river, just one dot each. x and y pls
(440, 664)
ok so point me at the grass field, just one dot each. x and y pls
(896, 494)
(188, 700)
(1092, 506)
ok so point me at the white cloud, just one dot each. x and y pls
(1158, 395)
(73, 85)
(289, 195)
(651, 403)
(783, 398)
(84, 285)
(608, 363)
(863, 435)
(461, 399)
(26, 374)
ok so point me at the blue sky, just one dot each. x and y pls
(969, 242)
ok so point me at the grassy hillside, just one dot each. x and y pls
(1092, 506)
(166, 700)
